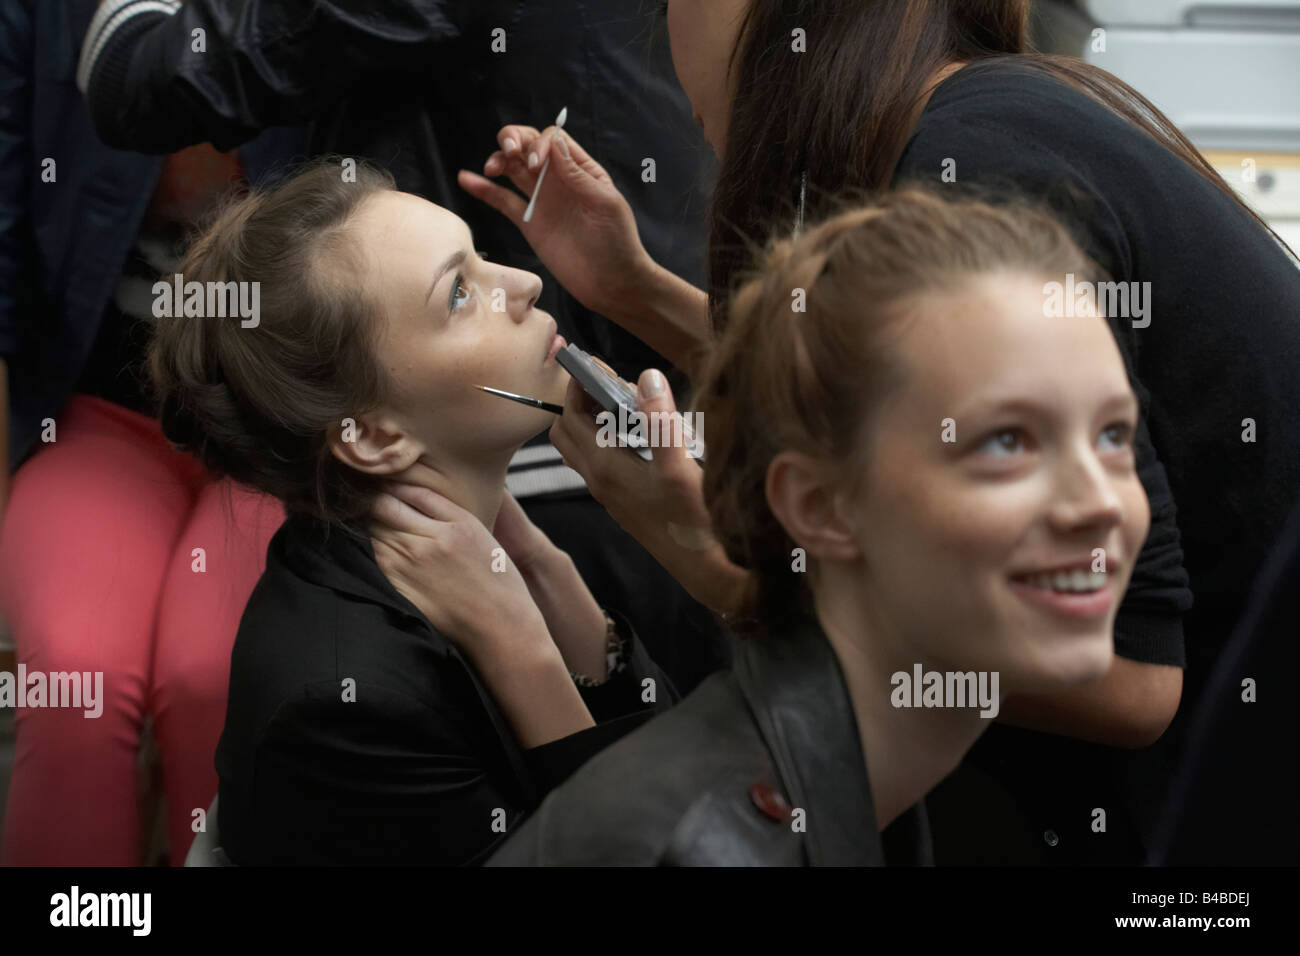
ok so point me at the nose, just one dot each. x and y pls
(522, 291)
(1086, 496)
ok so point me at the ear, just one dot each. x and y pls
(808, 498)
(375, 444)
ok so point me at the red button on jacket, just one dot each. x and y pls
(770, 801)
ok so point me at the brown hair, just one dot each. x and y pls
(853, 100)
(809, 381)
(257, 404)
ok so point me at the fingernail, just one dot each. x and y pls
(564, 144)
(510, 145)
(652, 384)
(532, 160)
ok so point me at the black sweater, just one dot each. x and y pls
(1223, 345)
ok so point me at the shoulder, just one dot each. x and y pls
(696, 785)
(1007, 95)
(1003, 130)
(305, 649)
(1015, 119)
(1010, 116)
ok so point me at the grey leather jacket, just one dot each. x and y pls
(760, 766)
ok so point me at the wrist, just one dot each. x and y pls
(637, 299)
(543, 564)
(515, 653)
(727, 585)
(667, 313)
(576, 622)
(537, 697)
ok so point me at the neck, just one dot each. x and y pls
(476, 485)
(907, 750)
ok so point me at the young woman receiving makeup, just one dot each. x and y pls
(405, 683)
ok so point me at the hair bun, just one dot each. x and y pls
(179, 425)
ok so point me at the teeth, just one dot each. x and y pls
(1076, 581)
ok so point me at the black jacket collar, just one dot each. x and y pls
(797, 693)
(333, 558)
(345, 563)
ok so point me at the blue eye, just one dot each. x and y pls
(1120, 434)
(1008, 441)
(459, 294)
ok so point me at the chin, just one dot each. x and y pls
(1072, 659)
(532, 422)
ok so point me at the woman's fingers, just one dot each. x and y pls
(427, 502)
(392, 514)
(655, 397)
(539, 149)
(516, 138)
(571, 151)
(511, 159)
(495, 165)
(508, 203)
(421, 525)
(498, 164)
(574, 432)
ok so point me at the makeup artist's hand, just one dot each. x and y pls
(440, 558)
(582, 228)
(659, 502)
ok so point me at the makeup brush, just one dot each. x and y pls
(525, 400)
(559, 125)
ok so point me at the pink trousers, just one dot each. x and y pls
(118, 555)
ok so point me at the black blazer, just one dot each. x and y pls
(357, 734)
(718, 780)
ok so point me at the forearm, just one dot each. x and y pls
(535, 693)
(697, 562)
(1130, 707)
(148, 89)
(668, 314)
(575, 620)
(725, 588)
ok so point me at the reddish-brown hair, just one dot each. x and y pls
(810, 380)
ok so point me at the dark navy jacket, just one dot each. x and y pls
(63, 243)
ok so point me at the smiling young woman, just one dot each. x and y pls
(826, 433)
(948, 94)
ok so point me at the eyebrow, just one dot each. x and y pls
(1031, 408)
(453, 260)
